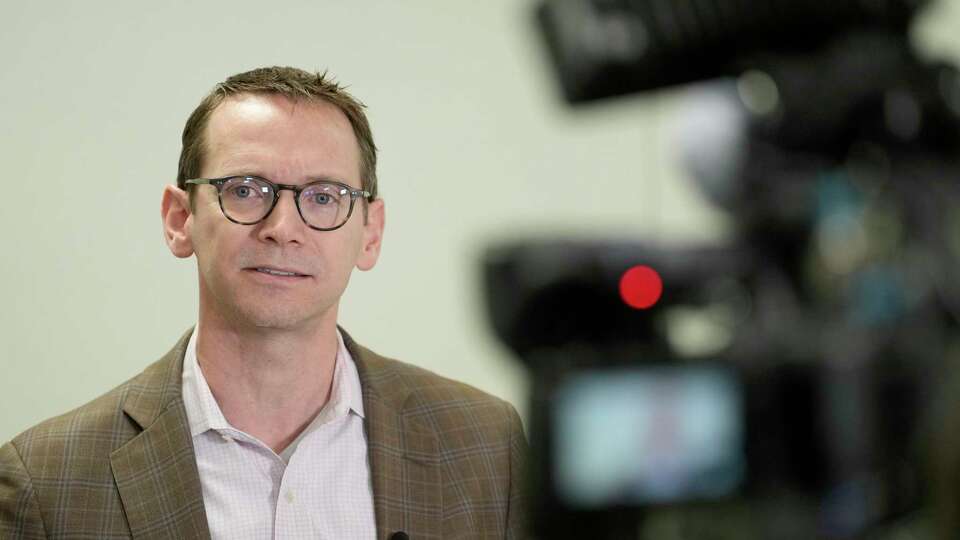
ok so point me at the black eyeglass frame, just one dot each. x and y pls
(277, 188)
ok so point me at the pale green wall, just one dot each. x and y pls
(475, 149)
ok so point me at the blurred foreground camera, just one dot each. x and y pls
(782, 385)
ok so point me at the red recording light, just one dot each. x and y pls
(640, 287)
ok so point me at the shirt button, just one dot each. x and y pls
(226, 437)
(289, 496)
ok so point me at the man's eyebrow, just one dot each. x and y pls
(324, 178)
(243, 171)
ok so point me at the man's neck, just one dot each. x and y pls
(269, 384)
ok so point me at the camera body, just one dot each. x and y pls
(778, 410)
(782, 387)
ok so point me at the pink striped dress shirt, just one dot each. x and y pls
(318, 487)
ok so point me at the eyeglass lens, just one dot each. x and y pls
(247, 200)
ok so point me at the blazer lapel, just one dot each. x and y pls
(156, 471)
(404, 454)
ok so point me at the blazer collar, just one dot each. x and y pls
(156, 471)
(403, 452)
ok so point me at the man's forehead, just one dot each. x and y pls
(262, 107)
(247, 132)
(254, 106)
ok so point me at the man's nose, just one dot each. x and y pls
(284, 223)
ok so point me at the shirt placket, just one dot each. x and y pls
(292, 512)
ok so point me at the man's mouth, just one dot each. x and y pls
(276, 272)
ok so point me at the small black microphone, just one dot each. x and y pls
(399, 535)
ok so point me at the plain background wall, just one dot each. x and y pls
(476, 149)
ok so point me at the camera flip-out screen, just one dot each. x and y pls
(649, 435)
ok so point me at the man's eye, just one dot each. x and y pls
(322, 199)
(243, 192)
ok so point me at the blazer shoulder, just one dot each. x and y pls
(95, 428)
(96, 416)
(64, 476)
(67, 456)
(442, 403)
(421, 385)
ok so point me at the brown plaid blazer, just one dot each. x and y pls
(445, 460)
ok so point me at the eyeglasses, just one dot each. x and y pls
(248, 200)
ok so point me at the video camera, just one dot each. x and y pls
(780, 385)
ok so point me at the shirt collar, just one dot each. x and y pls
(345, 392)
(204, 414)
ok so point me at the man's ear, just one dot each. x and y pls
(177, 220)
(372, 235)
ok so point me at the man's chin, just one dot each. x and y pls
(267, 320)
(261, 313)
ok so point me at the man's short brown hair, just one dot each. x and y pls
(295, 84)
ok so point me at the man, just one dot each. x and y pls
(267, 420)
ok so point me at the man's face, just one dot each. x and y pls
(288, 143)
